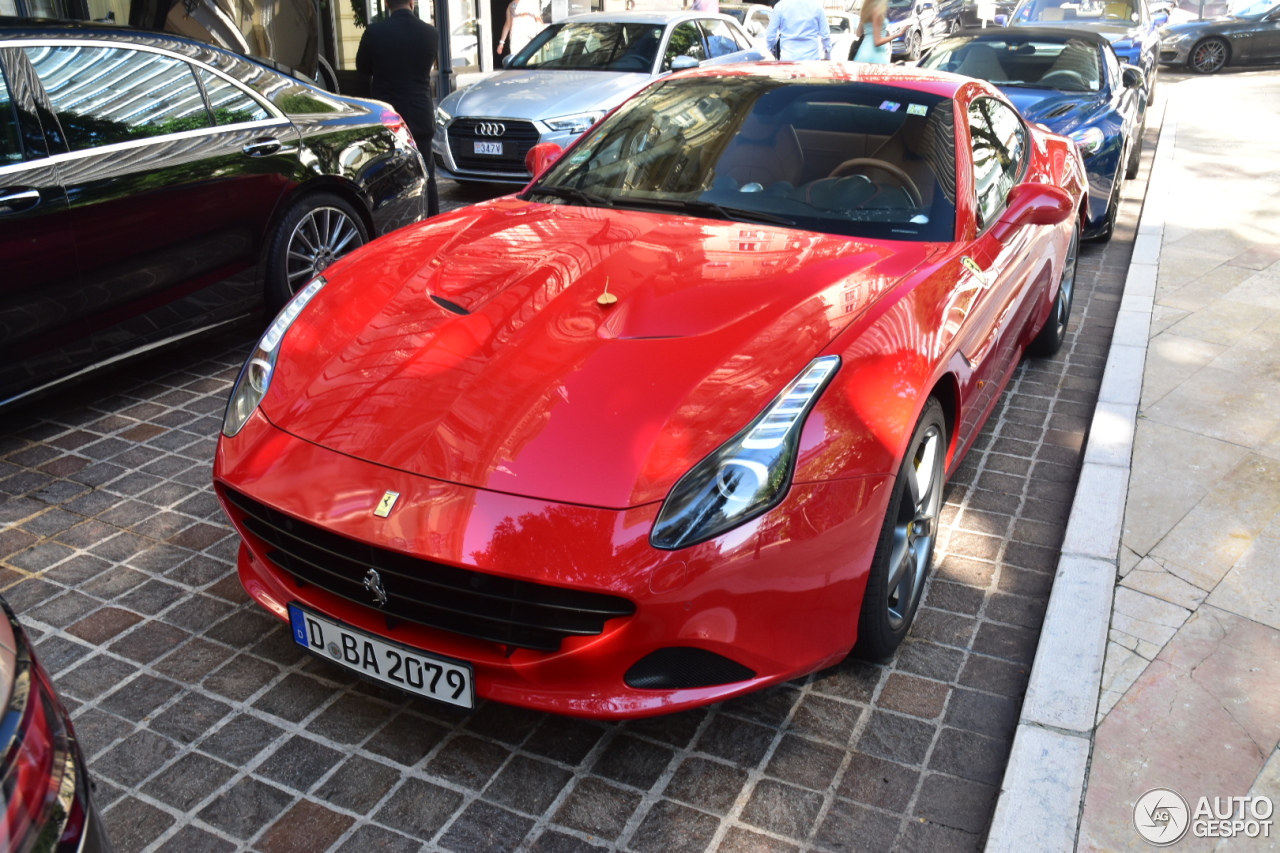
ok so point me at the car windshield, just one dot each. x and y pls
(1258, 10)
(1085, 11)
(856, 159)
(1071, 65)
(593, 46)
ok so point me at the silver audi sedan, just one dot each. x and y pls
(566, 78)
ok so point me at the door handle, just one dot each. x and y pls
(262, 147)
(18, 199)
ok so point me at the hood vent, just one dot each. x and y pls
(452, 307)
(1059, 111)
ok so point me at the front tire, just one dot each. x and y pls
(1209, 56)
(904, 551)
(1113, 213)
(1051, 337)
(316, 231)
(1135, 154)
(912, 46)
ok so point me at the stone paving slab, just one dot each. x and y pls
(209, 730)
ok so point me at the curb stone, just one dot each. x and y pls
(1042, 793)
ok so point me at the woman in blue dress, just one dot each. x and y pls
(876, 37)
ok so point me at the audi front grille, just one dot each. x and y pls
(502, 610)
(516, 137)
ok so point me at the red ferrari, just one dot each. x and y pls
(673, 423)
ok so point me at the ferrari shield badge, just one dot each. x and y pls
(387, 503)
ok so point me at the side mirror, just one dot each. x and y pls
(1034, 204)
(1132, 77)
(925, 7)
(540, 157)
(1160, 18)
(506, 61)
(684, 63)
(1001, 20)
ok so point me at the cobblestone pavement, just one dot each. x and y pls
(209, 730)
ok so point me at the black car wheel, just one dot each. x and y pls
(905, 548)
(315, 232)
(1135, 153)
(1050, 338)
(1209, 56)
(1113, 211)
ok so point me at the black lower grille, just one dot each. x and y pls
(516, 139)
(475, 604)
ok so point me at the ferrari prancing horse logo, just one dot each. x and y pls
(387, 503)
(373, 583)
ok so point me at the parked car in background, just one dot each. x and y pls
(46, 797)
(970, 17)
(754, 18)
(926, 22)
(566, 78)
(1250, 36)
(674, 423)
(154, 187)
(844, 33)
(1072, 83)
(1127, 24)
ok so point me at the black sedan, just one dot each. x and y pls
(48, 807)
(153, 188)
(1248, 37)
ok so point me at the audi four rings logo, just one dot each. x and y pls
(491, 128)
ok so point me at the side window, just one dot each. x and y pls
(229, 104)
(999, 155)
(720, 40)
(10, 136)
(744, 43)
(104, 95)
(686, 40)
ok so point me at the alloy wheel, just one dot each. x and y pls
(1067, 287)
(321, 237)
(913, 46)
(916, 526)
(1208, 56)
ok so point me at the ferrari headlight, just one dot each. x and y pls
(1088, 140)
(574, 123)
(749, 474)
(255, 377)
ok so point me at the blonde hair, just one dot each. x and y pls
(868, 13)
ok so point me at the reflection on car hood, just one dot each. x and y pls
(1060, 112)
(519, 376)
(538, 94)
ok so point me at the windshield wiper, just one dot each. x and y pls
(573, 194)
(703, 206)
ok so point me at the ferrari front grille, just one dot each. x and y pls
(476, 604)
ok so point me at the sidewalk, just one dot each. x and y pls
(1188, 567)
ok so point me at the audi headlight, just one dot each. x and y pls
(1088, 140)
(574, 123)
(749, 474)
(255, 377)
(442, 117)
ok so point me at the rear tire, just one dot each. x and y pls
(904, 551)
(1050, 338)
(317, 230)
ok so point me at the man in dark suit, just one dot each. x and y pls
(399, 52)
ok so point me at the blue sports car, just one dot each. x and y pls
(1071, 83)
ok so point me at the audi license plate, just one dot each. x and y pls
(489, 148)
(393, 664)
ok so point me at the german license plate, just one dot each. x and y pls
(393, 664)
(489, 148)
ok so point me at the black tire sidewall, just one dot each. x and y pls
(1049, 340)
(276, 289)
(877, 640)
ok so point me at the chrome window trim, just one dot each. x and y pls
(69, 156)
(44, 41)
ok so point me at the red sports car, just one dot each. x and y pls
(673, 423)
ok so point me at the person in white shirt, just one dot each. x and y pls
(799, 30)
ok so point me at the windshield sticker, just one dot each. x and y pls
(917, 110)
(891, 106)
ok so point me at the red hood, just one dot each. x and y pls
(540, 391)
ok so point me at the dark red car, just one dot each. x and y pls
(673, 423)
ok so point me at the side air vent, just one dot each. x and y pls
(449, 306)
